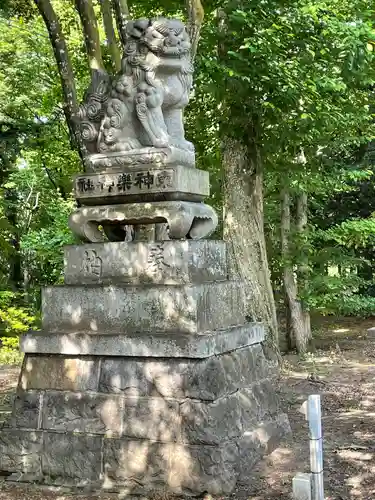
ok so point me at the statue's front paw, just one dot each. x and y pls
(182, 144)
(189, 146)
(161, 143)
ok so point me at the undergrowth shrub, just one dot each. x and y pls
(14, 320)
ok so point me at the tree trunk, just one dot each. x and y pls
(110, 34)
(64, 65)
(244, 232)
(195, 19)
(91, 34)
(297, 333)
(303, 269)
(121, 10)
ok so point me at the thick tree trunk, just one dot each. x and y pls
(297, 333)
(110, 34)
(244, 232)
(60, 49)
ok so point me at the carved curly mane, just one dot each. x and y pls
(142, 104)
(153, 35)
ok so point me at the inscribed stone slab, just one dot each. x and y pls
(155, 308)
(142, 184)
(164, 262)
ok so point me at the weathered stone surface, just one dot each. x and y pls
(129, 309)
(113, 415)
(26, 409)
(143, 466)
(20, 451)
(146, 377)
(221, 375)
(211, 423)
(76, 412)
(259, 441)
(127, 376)
(142, 184)
(230, 416)
(71, 457)
(164, 346)
(185, 219)
(163, 262)
(60, 373)
(203, 469)
(259, 403)
(136, 463)
(151, 418)
(206, 379)
(268, 401)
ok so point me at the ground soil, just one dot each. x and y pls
(341, 368)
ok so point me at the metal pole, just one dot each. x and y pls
(314, 416)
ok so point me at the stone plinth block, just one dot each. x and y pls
(185, 219)
(143, 157)
(62, 373)
(206, 379)
(142, 184)
(202, 379)
(20, 451)
(150, 309)
(164, 262)
(159, 346)
(169, 425)
(71, 457)
(144, 466)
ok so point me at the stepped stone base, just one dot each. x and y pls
(142, 424)
(145, 376)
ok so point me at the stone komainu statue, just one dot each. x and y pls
(142, 105)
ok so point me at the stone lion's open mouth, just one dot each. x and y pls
(170, 52)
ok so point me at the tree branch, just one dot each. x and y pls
(121, 10)
(110, 34)
(195, 13)
(91, 33)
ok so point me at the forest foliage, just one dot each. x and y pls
(294, 79)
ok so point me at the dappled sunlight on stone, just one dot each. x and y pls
(93, 325)
(75, 314)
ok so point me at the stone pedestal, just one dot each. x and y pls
(144, 377)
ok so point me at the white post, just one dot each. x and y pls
(311, 486)
(314, 416)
